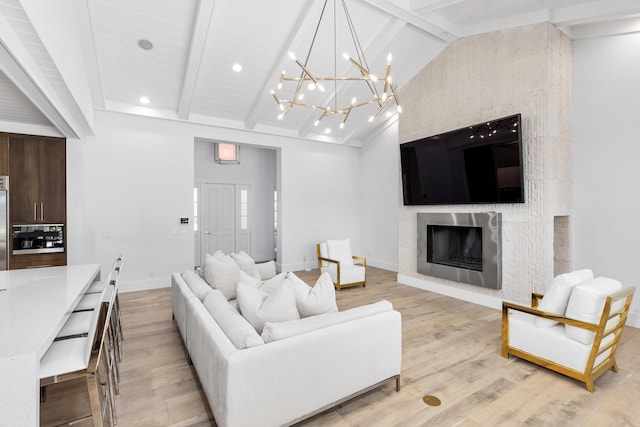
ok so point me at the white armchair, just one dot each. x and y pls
(345, 269)
(579, 342)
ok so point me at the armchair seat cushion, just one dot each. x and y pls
(348, 273)
(551, 343)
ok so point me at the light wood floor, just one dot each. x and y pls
(451, 349)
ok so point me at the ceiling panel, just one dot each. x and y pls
(128, 71)
(188, 73)
(15, 107)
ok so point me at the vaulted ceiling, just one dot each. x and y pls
(187, 75)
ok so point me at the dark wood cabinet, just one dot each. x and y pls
(37, 169)
(37, 191)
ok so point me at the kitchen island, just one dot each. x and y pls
(34, 304)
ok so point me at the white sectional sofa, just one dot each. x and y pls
(305, 367)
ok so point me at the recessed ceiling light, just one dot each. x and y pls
(145, 44)
(144, 100)
(237, 68)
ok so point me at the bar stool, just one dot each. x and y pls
(79, 321)
(88, 358)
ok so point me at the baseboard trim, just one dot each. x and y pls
(144, 285)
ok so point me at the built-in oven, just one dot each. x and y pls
(38, 238)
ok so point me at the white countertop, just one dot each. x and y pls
(35, 304)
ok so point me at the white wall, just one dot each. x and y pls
(606, 151)
(379, 195)
(129, 186)
(318, 199)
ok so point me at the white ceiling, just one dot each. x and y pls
(187, 75)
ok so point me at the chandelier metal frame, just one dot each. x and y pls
(380, 97)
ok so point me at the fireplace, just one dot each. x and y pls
(464, 247)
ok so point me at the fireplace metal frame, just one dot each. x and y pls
(491, 222)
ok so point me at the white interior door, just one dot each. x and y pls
(218, 221)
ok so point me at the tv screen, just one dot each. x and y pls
(476, 164)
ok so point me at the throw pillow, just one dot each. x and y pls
(556, 296)
(319, 299)
(273, 284)
(246, 263)
(340, 250)
(259, 307)
(240, 332)
(267, 270)
(222, 273)
(205, 268)
(586, 303)
(249, 280)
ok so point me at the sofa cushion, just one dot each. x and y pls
(258, 306)
(556, 296)
(586, 303)
(340, 250)
(222, 273)
(319, 299)
(267, 270)
(198, 286)
(246, 263)
(240, 332)
(274, 331)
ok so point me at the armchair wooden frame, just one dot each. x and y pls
(338, 284)
(592, 371)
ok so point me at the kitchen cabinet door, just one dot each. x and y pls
(52, 184)
(23, 179)
(37, 186)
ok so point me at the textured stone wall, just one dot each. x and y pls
(523, 70)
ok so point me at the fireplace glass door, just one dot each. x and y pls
(455, 246)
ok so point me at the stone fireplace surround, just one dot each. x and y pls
(523, 70)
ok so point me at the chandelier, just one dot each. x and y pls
(380, 92)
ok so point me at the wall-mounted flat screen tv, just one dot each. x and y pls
(481, 163)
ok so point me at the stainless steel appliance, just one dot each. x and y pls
(38, 238)
(4, 222)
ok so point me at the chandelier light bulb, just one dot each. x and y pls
(389, 114)
(327, 130)
(399, 109)
(280, 116)
(309, 81)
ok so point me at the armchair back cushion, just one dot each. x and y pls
(340, 250)
(556, 296)
(586, 304)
